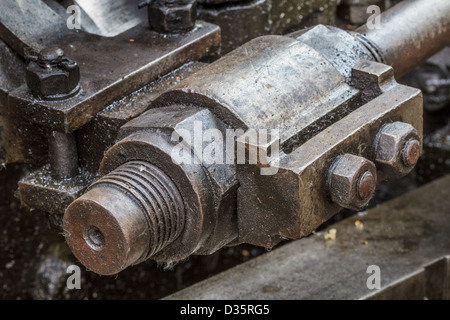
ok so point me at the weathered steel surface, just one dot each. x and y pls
(30, 24)
(40, 190)
(295, 201)
(272, 82)
(325, 102)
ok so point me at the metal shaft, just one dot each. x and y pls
(63, 154)
(410, 33)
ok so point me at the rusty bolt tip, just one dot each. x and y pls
(366, 186)
(95, 233)
(411, 152)
(116, 223)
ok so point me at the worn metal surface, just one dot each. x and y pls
(48, 188)
(128, 62)
(208, 194)
(344, 102)
(41, 190)
(326, 106)
(215, 196)
(294, 202)
(338, 47)
(402, 237)
(14, 146)
(415, 22)
(266, 194)
(34, 260)
(258, 89)
(63, 155)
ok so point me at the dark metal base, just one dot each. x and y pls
(407, 238)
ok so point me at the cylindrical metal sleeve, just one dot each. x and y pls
(410, 33)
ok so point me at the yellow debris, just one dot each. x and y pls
(330, 235)
(359, 225)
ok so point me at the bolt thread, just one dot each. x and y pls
(156, 195)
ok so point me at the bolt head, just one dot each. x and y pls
(366, 185)
(411, 152)
(352, 181)
(172, 18)
(397, 148)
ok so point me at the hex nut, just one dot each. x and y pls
(352, 181)
(397, 149)
(172, 18)
(51, 81)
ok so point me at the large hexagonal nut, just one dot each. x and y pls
(397, 149)
(180, 127)
(51, 81)
(352, 181)
(170, 17)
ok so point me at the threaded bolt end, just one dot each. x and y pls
(125, 218)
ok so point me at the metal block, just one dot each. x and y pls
(40, 191)
(128, 62)
(295, 201)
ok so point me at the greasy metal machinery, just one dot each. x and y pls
(345, 124)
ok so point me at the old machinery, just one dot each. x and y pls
(344, 124)
(149, 132)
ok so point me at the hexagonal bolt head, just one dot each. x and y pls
(352, 181)
(172, 18)
(52, 74)
(397, 149)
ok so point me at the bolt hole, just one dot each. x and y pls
(94, 238)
